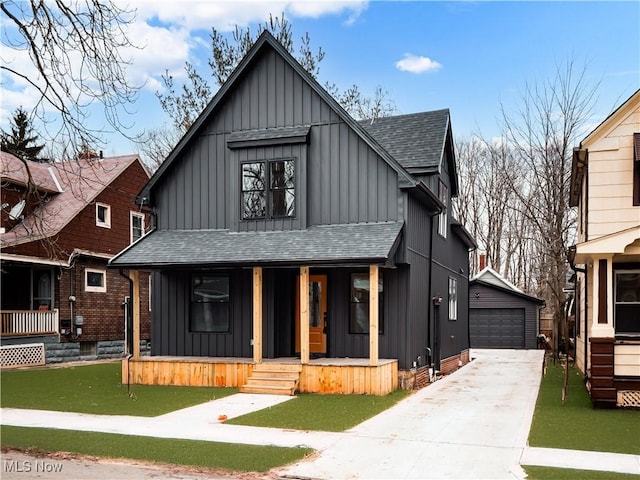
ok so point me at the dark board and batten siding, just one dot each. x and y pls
(486, 297)
(340, 179)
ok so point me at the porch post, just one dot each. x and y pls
(373, 315)
(257, 314)
(134, 276)
(304, 315)
(603, 297)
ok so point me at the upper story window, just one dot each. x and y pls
(268, 189)
(136, 226)
(103, 215)
(442, 218)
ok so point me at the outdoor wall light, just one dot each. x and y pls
(437, 300)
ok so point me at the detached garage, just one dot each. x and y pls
(500, 314)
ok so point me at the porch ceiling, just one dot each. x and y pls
(323, 244)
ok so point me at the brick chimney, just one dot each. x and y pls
(483, 261)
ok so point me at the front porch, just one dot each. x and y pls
(320, 375)
(311, 370)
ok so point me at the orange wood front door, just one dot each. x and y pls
(317, 314)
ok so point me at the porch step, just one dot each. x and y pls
(275, 379)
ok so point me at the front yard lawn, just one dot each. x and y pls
(210, 455)
(330, 413)
(550, 473)
(96, 389)
(577, 425)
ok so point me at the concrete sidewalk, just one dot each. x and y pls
(471, 424)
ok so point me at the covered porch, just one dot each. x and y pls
(307, 373)
(228, 300)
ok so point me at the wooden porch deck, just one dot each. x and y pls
(320, 375)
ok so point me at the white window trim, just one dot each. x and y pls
(89, 288)
(133, 214)
(107, 222)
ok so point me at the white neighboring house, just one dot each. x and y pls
(605, 187)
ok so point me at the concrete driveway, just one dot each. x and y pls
(472, 424)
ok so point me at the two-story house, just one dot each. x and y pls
(605, 186)
(295, 248)
(61, 223)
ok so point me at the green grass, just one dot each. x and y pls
(96, 389)
(330, 413)
(210, 455)
(551, 473)
(577, 425)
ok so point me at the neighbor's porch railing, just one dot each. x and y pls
(29, 322)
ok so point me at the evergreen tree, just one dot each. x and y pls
(21, 141)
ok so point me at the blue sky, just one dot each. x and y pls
(476, 55)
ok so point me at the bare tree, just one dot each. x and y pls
(75, 65)
(542, 132)
(486, 203)
(75, 52)
(183, 102)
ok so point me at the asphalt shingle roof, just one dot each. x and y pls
(81, 182)
(415, 140)
(366, 242)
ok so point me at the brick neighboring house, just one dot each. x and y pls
(59, 300)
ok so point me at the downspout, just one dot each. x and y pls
(128, 327)
(431, 348)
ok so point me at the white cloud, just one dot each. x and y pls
(224, 16)
(171, 31)
(417, 64)
(160, 49)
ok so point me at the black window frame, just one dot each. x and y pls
(353, 304)
(268, 189)
(196, 303)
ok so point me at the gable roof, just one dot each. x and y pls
(613, 117)
(489, 275)
(492, 279)
(266, 40)
(581, 155)
(419, 141)
(80, 181)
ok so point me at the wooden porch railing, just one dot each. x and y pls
(29, 322)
